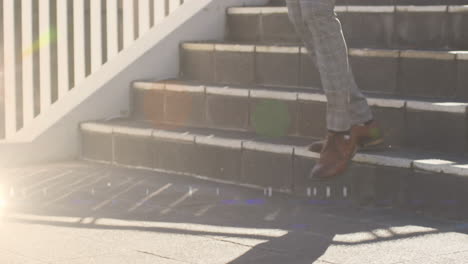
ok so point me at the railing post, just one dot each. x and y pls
(79, 41)
(144, 16)
(128, 22)
(27, 55)
(62, 48)
(112, 29)
(96, 34)
(9, 65)
(45, 36)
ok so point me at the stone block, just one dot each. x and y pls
(421, 27)
(235, 64)
(219, 161)
(174, 155)
(458, 27)
(277, 66)
(277, 28)
(96, 143)
(132, 147)
(369, 27)
(427, 74)
(375, 70)
(436, 131)
(228, 112)
(312, 119)
(270, 117)
(309, 74)
(243, 27)
(148, 104)
(197, 62)
(185, 107)
(267, 168)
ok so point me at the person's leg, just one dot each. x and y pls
(346, 104)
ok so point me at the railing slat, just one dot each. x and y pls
(79, 41)
(159, 11)
(27, 57)
(128, 22)
(173, 5)
(62, 48)
(112, 29)
(9, 67)
(96, 35)
(144, 16)
(45, 35)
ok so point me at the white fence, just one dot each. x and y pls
(49, 47)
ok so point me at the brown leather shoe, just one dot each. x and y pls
(338, 150)
(368, 137)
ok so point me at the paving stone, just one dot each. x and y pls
(243, 28)
(458, 26)
(277, 66)
(97, 146)
(218, 162)
(421, 29)
(174, 155)
(436, 131)
(267, 169)
(369, 2)
(227, 112)
(273, 118)
(368, 29)
(375, 71)
(278, 29)
(197, 62)
(309, 76)
(427, 75)
(148, 105)
(133, 150)
(235, 65)
(185, 108)
(312, 119)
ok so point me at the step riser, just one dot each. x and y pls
(393, 73)
(403, 126)
(364, 183)
(390, 29)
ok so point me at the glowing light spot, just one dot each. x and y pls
(271, 118)
(44, 40)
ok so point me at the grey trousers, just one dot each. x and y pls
(318, 26)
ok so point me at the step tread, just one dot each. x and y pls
(293, 48)
(306, 94)
(403, 158)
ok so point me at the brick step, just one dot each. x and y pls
(410, 27)
(410, 180)
(425, 74)
(385, 2)
(300, 113)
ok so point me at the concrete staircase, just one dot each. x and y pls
(243, 110)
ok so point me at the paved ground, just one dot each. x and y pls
(86, 213)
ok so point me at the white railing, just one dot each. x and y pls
(51, 46)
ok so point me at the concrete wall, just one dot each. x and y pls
(62, 140)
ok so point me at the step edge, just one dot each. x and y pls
(445, 166)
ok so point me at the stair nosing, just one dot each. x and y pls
(356, 9)
(356, 52)
(262, 92)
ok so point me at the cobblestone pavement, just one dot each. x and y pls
(80, 212)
